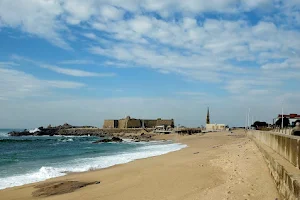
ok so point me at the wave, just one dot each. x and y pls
(4, 133)
(86, 164)
(61, 139)
(14, 141)
(34, 130)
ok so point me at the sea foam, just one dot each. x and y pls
(86, 164)
(34, 130)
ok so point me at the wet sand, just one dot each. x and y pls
(214, 166)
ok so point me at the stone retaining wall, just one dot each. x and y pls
(287, 146)
(282, 156)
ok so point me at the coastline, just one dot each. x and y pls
(115, 156)
(200, 170)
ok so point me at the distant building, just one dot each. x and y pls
(213, 127)
(216, 127)
(129, 122)
(293, 118)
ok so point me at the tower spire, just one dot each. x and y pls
(207, 116)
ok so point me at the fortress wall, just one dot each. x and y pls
(282, 155)
(109, 124)
(134, 123)
(150, 123)
(122, 123)
(167, 122)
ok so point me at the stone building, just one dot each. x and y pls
(293, 118)
(129, 122)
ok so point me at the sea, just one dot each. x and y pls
(30, 159)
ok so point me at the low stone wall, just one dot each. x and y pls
(287, 146)
(282, 156)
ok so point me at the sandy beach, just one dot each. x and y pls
(213, 166)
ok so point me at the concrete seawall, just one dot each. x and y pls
(282, 155)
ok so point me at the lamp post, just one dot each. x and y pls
(282, 118)
(249, 118)
(246, 121)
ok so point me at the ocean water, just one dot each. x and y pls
(26, 160)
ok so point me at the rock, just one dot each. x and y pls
(57, 188)
(114, 139)
(21, 133)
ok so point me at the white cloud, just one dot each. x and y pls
(78, 10)
(75, 72)
(252, 85)
(111, 13)
(66, 71)
(64, 84)
(187, 93)
(227, 50)
(34, 17)
(77, 62)
(90, 36)
(140, 24)
(8, 63)
(253, 4)
(275, 66)
(18, 84)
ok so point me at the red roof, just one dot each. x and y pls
(291, 116)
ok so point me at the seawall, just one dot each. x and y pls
(282, 155)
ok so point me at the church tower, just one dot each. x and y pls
(207, 117)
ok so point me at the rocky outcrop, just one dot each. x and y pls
(137, 135)
(21, 133)
(56, 130)
(113, 139)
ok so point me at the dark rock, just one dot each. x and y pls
(114, 139)
(21, 133)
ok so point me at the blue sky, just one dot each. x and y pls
(83, 61)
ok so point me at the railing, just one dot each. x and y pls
(285, 130)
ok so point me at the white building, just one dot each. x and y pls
(215, 127)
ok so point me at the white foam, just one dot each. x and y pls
(43, 174)
(3, 134)
(86, 164)
(34, 130)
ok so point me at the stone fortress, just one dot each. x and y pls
(129, 122)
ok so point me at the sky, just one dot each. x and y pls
(81, 62)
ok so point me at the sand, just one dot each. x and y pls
(214, 166)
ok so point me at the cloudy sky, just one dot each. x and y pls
(82, 61)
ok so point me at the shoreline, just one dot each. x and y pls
(213, 166)
(162, 139)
